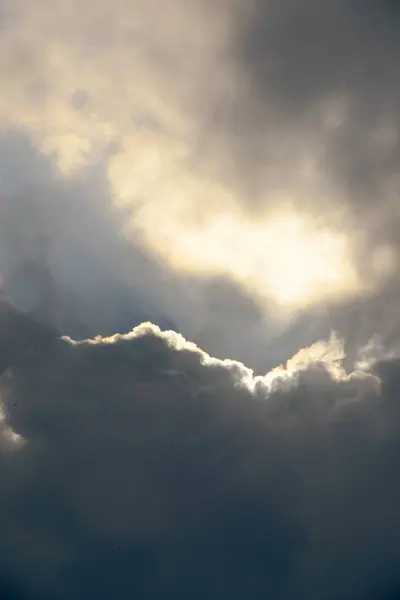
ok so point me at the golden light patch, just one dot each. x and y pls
(282, 257)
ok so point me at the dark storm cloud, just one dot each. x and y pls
(152, 470)
(300, 54)
(303, 52)
(301, 59)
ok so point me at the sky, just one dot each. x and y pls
(199, 220)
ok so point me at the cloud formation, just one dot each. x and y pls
(191, 132)
(227, 170)
(150, 468)
(62, 251)
(226, 142)
(323, 81)
(66, 256)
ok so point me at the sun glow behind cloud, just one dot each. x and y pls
(281, 257)
(80, 85)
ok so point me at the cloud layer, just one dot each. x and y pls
(151, 469)
(227, 170)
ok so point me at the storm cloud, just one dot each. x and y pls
(226, 173)
(149, 468)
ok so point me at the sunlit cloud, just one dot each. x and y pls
(224, 172)
(282, 257)
(162, 102)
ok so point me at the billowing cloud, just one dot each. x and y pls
(227, 170)
(151, 469)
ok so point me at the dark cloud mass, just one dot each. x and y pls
(151, 470)
(304, 57)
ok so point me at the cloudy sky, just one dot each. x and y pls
(226, 172)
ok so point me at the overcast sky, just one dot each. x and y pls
(226, 171)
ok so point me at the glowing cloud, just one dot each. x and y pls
(282, 257)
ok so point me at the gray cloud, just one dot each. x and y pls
(302, 57)
(256, 101)
(64, 232)
(320, 84)
(313, 112)
(65, 257)
(147, 466)
(151, 469)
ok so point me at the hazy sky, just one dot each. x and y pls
(248, 145)
(226, 170)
